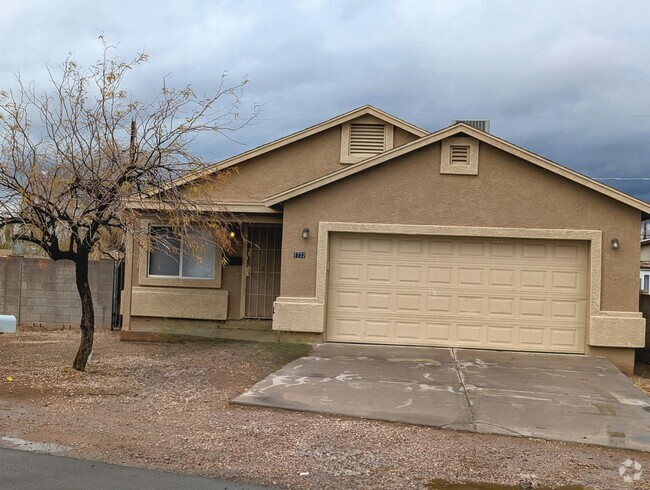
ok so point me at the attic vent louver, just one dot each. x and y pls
(481, 125)
(459, 155)
(367, 138)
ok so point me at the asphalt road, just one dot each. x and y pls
(25, 470)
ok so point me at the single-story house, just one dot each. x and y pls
(368, 229)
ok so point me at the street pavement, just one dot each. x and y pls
(32, 471)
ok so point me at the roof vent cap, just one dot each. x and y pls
(480, 124)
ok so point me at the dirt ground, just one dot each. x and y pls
(166, 406)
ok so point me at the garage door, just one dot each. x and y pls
(466, 292)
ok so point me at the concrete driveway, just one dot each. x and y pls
(550, 396)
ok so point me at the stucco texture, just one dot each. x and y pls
(507, 192)
(285, 167)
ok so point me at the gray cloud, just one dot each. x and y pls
(567, 80)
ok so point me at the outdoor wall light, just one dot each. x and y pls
(305, 233)
(615, 243)
(232, 234)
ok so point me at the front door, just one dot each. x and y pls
(263, 270)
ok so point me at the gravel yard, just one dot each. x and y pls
(166, 406)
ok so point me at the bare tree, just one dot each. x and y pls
(72, 157)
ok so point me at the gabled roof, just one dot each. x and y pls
(453, 131)
(292, 138)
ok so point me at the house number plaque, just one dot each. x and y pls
(299, 255)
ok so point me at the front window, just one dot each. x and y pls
(172, 255)
(646, 282)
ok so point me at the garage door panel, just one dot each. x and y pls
(501, 307)
(410, 247)
(471, 249)
(408, 331)
(501, 336)
(533, 337)
(348, 272)
(440, 275)
(534, 279)
(378, 330)
(469, 334)
(380, 246)
(470, 276)
(378, 301)
(407, 303)
(533, 307)
(440, 248)
(502, 278)
(440, 304)
(380, 273)
(438, 333)
(564, 338)
(510, 294)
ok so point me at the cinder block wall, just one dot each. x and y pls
(644, 306)
(44, 291)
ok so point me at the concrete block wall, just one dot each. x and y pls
(44, 291)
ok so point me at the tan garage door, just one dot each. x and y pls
(465, 292)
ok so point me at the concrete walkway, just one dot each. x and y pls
(550, 396)
(30, 471)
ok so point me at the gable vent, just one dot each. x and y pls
(481, 125)
(367, 138)
(459, 155)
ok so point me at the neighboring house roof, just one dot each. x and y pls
(645, 242)
(452, 131)
(366, 110)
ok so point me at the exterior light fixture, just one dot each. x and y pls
(232, 234)
(615, 243)
(305, 233)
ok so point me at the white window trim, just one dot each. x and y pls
(346, 156)
(144, 279)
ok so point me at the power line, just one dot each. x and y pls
(492, 118)
(621, 178)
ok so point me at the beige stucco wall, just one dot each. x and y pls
(199, 304)
(286, 167)
(507, 192)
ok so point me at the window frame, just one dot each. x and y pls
(181, 254)
(145, 279)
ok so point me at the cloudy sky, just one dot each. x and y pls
(569, 80)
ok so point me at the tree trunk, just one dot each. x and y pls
(87, 313)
